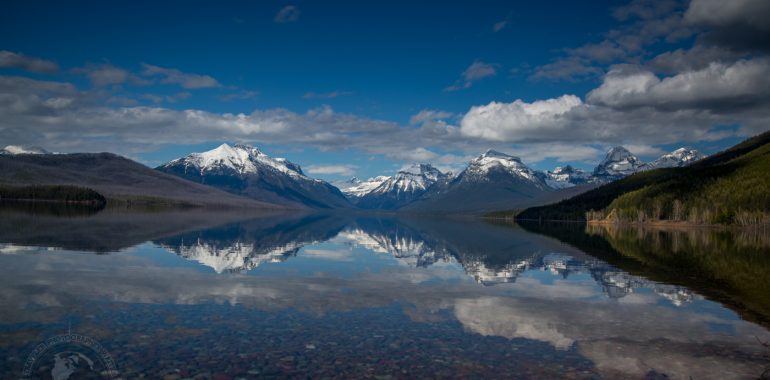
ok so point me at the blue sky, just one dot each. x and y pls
(336, 86)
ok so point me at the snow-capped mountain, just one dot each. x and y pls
(407, 247)
(488, 276)
(238, 257)
(16, 149)
(678, 158)
(355, 188)
(238, 159)
(486, 166)
(407, 185)
(245, 170)
(566, 176)
(491, 181)
(618, 163)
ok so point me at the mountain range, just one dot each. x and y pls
(247, 171)
(491, 181)
(120, 180)
(730, 187)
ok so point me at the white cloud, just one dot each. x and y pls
(167, 98)
(289, 13)
(643, 150)
(343, 170)
(328, 254)
(569, 69)
(519, 120)
(9, 59)
(60, 117)
(106, 75)
(696, 58)
(718, 87)
(605, 51)
(428, 116)
(476, 71)
(175, 76)
(646, 9)
(562, 152)
(729, 13)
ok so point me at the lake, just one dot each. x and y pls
(207, 295)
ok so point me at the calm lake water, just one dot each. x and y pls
(211, 295)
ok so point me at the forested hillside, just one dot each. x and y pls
(731, 187)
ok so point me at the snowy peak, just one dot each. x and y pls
(421, 172)
(247, 171)
(412, 179)
(407, 185)
(13, 150)
(242, 159)
(420, 169)
(618, 162)
(678, 158)
(566, 176)
(561, 170)
(355, 188)
(490, 160)
(237, 257)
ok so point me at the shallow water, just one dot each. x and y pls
(209, 295)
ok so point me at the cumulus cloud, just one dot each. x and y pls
(343, 170)
(633, 106)
(429, 115)
(736, 24)
(444, 162)
(476, 71)
(719, 87)
(105, 74)
(644, 22)
(287, 14)
(695, 58)
(605, 51)
(519, 119)
(167, 98)
(562, 152)
(175, 76)
(9, 59)
(27, 116)
(567, 69)
(646, 9)
(328, 254)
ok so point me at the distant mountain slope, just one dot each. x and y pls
(245, 245)
(16, 149)
(618, 163)
(403, 188)
(490, 181)
(245, 170)
(115, 177)
(731, 187)
(678, 158)
(566, 176)
(355, 188)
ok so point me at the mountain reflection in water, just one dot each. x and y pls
(358, 295)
